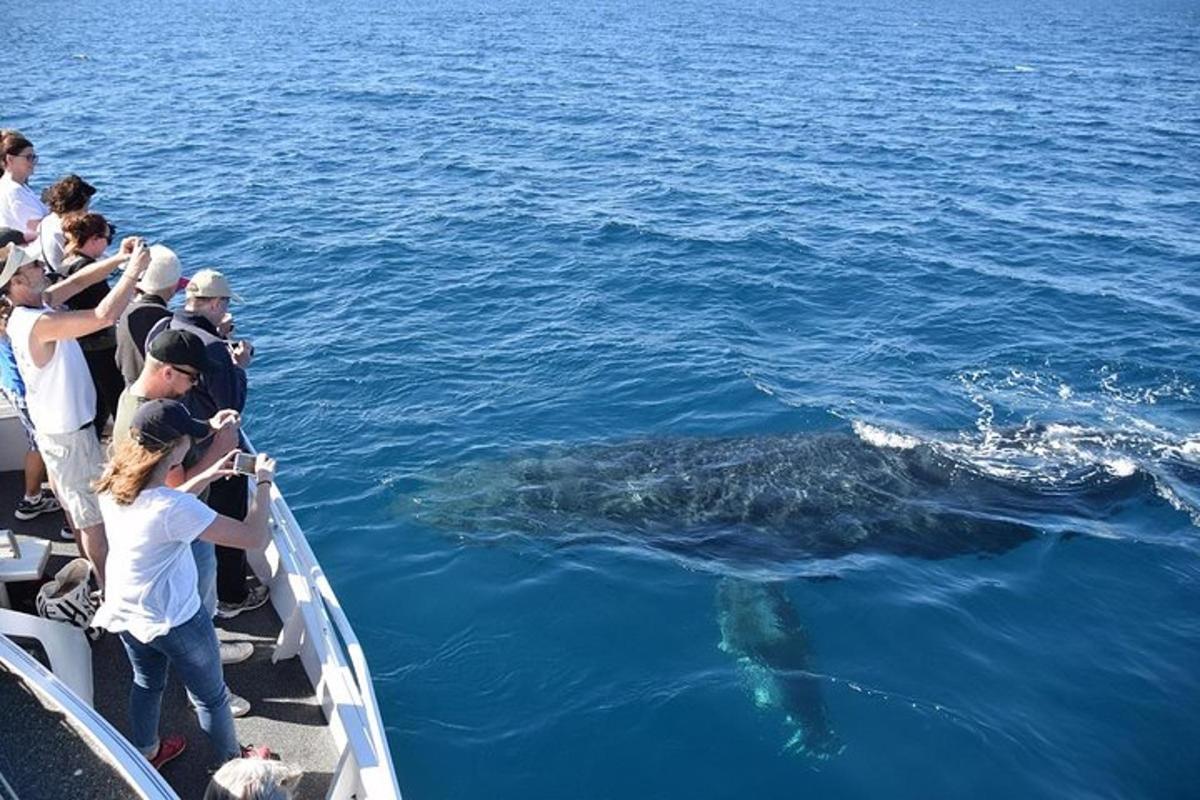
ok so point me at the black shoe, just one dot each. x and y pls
(46, 503)
(255, 598)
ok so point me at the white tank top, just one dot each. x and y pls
(60, 395)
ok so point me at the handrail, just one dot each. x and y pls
(345, 644)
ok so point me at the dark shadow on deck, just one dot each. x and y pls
(284, 715)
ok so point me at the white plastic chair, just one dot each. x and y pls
(66, 646)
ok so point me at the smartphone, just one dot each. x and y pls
(243, 464)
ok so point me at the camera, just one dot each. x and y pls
(243, 464)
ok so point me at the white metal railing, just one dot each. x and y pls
(317, 630)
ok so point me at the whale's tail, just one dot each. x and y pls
(761, 629)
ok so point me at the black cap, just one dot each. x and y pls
(11, 236)
(179, 347)
(159, 423)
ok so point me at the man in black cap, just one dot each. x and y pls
(175, 360)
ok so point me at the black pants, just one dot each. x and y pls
(102, 364)
(229, 497)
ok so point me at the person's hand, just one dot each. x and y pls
(226, 423)
(264, 468)
(242, 352)
(222, 468)
(139, 259)
(128, 244)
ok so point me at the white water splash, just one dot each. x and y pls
(879, 437)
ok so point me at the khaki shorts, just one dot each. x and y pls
(73, 461)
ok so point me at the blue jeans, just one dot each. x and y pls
(205, 556)
(191, 648)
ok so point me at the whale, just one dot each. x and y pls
(757, 511)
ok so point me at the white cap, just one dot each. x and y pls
(17, 258)
(164, 271)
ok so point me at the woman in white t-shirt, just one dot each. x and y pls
(20, 208)
(150, 596)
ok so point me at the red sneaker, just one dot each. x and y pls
(258, 751)
(169, 749)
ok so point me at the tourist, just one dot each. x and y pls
(87, 236)
(150, 599)
(59, 391)
(206, 314)
(254, 779)
(163, 278)
(37, 501)
(20, 208)
(174, 364)
(69, 195)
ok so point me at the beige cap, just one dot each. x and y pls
(164, 271)
(15, 258)
(210, 283)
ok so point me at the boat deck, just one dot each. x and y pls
(284, 715)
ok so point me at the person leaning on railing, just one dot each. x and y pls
(88, 235)
(58, 386)
(68, 195)
(20, 207)
(150, 599)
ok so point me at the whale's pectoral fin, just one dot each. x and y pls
(761, 629)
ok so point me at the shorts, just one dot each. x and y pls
(73, 461)
(18, 404)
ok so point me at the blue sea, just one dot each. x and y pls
(485, 246)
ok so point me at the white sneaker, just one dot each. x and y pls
(236, 653)
(238, 705)
(67, 534)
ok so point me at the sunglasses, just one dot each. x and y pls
(31, 158)
(192, 375)
(112, 234)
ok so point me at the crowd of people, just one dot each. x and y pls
(132, 413)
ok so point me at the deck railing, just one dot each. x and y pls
(316, 629)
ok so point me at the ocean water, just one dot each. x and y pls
(486, 246)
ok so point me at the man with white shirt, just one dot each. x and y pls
(58, 386)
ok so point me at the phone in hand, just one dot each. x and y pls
(243, 464)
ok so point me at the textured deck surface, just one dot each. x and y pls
(62, 764)
(284, 713)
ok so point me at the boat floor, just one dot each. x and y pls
(284, 713)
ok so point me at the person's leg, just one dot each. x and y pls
(231, 574)
(74, 460)
(228, 497)
(205, 556)
(35, 469)
(35, 473)
(195, 656)
(145, 695)
(107, 380)
(94, 544)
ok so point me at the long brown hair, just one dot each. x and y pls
(129, 470)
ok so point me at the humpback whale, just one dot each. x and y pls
(758, 510)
